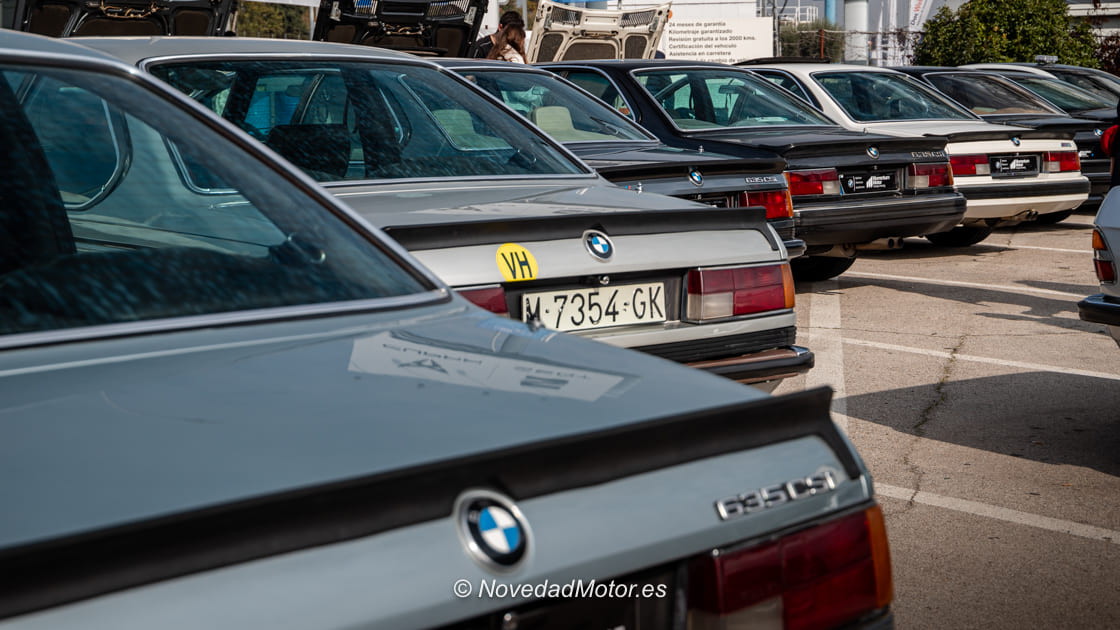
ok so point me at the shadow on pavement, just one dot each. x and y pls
(1042, 416)
(1035, 308)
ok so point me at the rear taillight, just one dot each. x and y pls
(970, 165)
(491, 298)
(1061, 161)
(819, 578)
(1106, 269)
(820, 181)
(720, 293)
(777, 202)
(929, 175)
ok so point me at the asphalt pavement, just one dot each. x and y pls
(989, 415)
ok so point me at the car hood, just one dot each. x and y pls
(423, 27)
(564, 32)
(108, 432)
(207, 18)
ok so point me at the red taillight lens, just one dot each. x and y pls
(970, 165)
(719, 293)
(1061, 161)
(821, 181)
(816, 579)
(929, 175)
(1106, 269)
(777, 202)
(492, 299)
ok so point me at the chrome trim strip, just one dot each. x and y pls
(177, 324)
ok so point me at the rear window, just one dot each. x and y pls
(887, 96)
(117, 207)
(711, 98)
(562, 111)
(988, 95)
(343, 121)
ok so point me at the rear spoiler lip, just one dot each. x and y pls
(467, 233)
(73, 568)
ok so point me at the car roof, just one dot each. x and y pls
(456, 63)
(135, 49)
(1009, 67)
(638, 64)
(40, 44)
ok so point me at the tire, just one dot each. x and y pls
(960, 236)
(816, 268)
(1051, 218)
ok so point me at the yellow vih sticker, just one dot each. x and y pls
(516, 263)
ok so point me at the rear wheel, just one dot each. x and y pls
(814, 268)
(1051, 218)
(960, 236)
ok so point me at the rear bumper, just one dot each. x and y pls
(1100, 309)
(1016, 198)
(848, 222)
(756, 357)
(769, 366)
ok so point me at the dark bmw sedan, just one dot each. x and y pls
(849, 189)
(998, 99)
(628, 155)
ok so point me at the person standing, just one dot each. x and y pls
(509, 45)
(482, 47)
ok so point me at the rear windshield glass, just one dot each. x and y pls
(353, 121)
(714, 98)
(564, 112)
(882, 96)
(1069, 97)
(118, 207)
(985, 95)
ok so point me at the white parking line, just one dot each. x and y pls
(958, 283)
(1003, 514)
(828, 347)
(1052, 249)
(1030, 367)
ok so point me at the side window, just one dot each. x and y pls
(78, 135)
(101, 223)
(601, 87)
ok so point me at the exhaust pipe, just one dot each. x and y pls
(892, 242)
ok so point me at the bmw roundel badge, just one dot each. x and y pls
(873, 152)
(1098, 131)
(696, 178)
(598, 245)
(1015, 141)
(492, 529)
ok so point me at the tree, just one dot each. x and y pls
(807, 39)
(1001, 31)
(275, 21)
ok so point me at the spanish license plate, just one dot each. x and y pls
(871, 181)
(581, 309)
(1010, 166)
